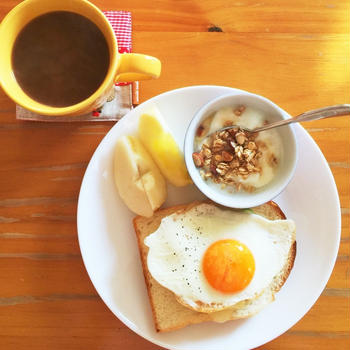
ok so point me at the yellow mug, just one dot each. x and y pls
(125, 67)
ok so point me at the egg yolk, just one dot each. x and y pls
(228, 266)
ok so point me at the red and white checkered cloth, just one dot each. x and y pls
(121, 24)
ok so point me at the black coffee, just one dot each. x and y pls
(60, 58)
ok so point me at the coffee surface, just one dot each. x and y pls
(60, 58)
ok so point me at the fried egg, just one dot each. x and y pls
(213, 258)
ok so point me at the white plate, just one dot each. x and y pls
(109, 248)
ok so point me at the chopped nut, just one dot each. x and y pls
(206, 152)
(224, 135)
(251, 156)
(197, 159)
(241, 138)
(219, 142)
(218, 145)
(233, 144)
(220, 171)
(239, 151)
(223, 165)
(222, 168)
(228, 123)
(248, 154)
(218, 157)
(226, 156)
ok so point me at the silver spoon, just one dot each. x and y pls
(321, 113)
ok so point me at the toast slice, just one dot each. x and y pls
(168, 313)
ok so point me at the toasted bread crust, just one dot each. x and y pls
(168, 313)
(287, 268)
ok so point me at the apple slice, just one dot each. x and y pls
(139, 182)
(157, 139)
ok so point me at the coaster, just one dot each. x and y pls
(110, 111)
(125, 94)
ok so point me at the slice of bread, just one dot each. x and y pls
(168, 313)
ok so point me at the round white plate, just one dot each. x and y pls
(109, 248)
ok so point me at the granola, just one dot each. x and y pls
(229, 156)
(235, 159)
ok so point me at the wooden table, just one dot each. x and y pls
(294, 52)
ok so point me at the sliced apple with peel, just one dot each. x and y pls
(139, 182)
(157, 139)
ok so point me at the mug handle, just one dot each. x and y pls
(135, 66)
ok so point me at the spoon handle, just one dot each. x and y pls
(321, 113)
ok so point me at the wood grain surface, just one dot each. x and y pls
(296, 53)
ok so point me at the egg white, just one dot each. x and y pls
(177, 247)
